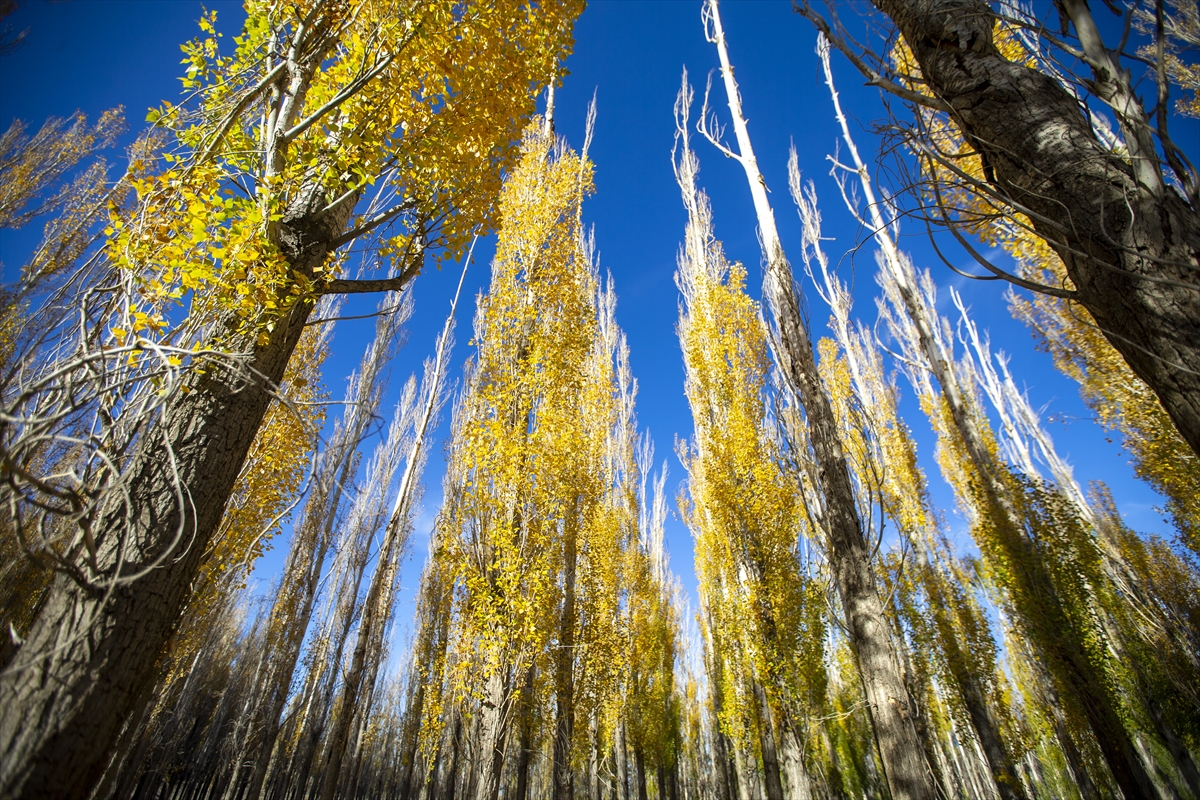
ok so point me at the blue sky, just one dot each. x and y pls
(92, 55)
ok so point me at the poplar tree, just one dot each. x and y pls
(744, 509)
(526, 537)
(962, 635)
(848, 550)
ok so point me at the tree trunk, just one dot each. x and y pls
(1129, 242)
(293, 606)
(621, 756)
(766, 738)
(494, 722)
(564, 727)
(639, 762)
(798, 786)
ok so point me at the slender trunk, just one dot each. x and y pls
(639, 763)
(1030, 583)
(449, 779)
(766, 738)
(969, 686)
(749, 787)
(722, 758)
(1178, 750)
(564, 729)
(525, 739)
(620, 755)
(377, 607)
(1074, 758)
(849, 552)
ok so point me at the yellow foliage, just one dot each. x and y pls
(745, 511)
(531, 444)
(30, 167)
(428, 98)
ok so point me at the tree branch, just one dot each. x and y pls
(874, 78)
(241, 106)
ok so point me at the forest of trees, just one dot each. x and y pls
(165, 418)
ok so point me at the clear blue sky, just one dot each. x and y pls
(92, 55)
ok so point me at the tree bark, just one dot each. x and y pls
(767, 742)
(494, 724)
(1130, 243)
(90, 654)
(621, 757)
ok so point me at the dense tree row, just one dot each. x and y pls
(163, 402)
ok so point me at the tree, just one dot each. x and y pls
(31, 167)
(320, 102)
(885, 462)
(745, 510)
(849, 552)
(527, 536)
(1126, 232)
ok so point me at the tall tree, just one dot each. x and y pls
(849, 552)
(319, 102)
(531, 434)
(967, 650)
(745, 508)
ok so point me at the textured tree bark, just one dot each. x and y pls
(799, 786)
(1130, 244)
(494, 724)
(767, 743)
(91, 654)
(621, 756)
(524, 740)
(639, 763)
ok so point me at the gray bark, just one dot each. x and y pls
(494, 723)
(564, 726)
(767, 742)
(1130, 243)
(91, 654)
(620, 755)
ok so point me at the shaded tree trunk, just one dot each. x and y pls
(1129, 241)
(767, 742)
(564, 726)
